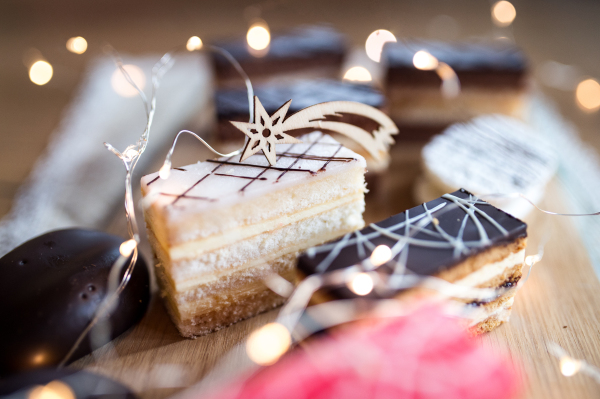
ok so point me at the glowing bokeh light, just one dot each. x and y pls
(358, 74)
(503, 13)
(77, 45)
(425, 61)
(361, 284)
(120, 84)
(193, 43)
(53, 390)
(127, 247)
(569, 367)
(380, 255)
(587, 95)
(258, 36)
(40, 72)
(375, 42)
(267, 344)
(38, 358)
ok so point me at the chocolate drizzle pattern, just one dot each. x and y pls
(318, 162)
(424, 240)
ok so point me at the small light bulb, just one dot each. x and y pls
(194, 43)
(503, 13)
(165, 171)
(127, 248)
(267, 344)
(361, 284)
(569, 367)
(425, 61)
(376, 41)
(380, 255)
(258, 36)
(130, 153)
(77, 45)
(40, 72)
(358, 74)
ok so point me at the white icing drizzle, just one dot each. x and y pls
(490, 154)
(410, 227)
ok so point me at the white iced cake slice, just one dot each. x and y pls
(491, 154)
(219, 227)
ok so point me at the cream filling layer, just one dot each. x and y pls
(215, 276)
(491, 270)
(254, 251)
(196, 248)
(502, 313)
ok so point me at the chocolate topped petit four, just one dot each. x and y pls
(493, 78)
(312, 50)
(232, 105)
(457, 237)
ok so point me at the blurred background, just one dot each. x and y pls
(560, 38)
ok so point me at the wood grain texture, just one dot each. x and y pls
(558, 303)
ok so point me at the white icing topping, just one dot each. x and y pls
(210, 184)
(490, 154)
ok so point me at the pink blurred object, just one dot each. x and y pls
(423, 355)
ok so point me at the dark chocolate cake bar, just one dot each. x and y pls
(232, 104)
(493, 78)
(312, 47)
(456, 237)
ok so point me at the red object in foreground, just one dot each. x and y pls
(422, 355)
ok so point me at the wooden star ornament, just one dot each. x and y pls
(266, 132)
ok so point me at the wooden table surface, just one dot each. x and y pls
(559, 303)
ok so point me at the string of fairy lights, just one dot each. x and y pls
(267, 344)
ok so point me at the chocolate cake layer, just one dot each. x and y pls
(232, 104)
(292, 50)
(481, 64)
(430, 239)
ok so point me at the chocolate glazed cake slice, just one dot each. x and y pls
(232, 105)
(456, 237)
(307, 50)
(493, 78)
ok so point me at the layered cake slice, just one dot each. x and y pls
(219, 227)
(456, 237)
(493, 79)
(302, 51)
(491, 154)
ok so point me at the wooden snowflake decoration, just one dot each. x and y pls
(265, 132)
